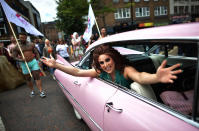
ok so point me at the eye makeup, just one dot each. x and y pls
(106, 60)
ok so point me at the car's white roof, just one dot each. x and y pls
(188, 31)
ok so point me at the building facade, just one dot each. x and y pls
(184, 10)
(34, 14)
(51, 32)
(26, 10)
(135, 14)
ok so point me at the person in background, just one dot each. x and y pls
(91, 40)
(36, 42)
(77, 41)
(41, 46)
(4, 52)
(10, 48)
(103, 33)
(48, 52)
(54, 45)
(62, 50)
(11, 45)
(31, 57)
(96, 36)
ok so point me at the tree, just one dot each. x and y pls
(71, 14)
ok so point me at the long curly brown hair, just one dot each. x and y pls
(120, 61)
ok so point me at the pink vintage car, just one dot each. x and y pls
(105, 105)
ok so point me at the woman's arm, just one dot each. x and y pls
(163, 75)
(69, 69)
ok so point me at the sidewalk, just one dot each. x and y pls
(2, 127)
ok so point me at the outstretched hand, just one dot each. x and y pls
(167, 75)
(49, 61)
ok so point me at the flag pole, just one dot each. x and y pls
(97, 28)
(96, 25)
(20, 48)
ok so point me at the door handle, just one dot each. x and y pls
(110, 106)
(77, 83)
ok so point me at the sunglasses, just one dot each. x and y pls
(106, 60)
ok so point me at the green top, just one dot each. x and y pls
(119, 79)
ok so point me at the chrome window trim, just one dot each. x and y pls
(84, 58)
(72, 97)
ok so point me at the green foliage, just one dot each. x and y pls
(70, 14)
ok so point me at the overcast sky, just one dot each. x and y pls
(46, 8)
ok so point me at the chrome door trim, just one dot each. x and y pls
(72, 97)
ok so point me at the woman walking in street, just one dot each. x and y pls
(48, 52)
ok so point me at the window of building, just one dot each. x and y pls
(142, 12)
(181, 9)
(192, 9)
(126, 0)
(137, 0)
(186, 9)
(175, 10)
(3, 29)
(155, 0)
(1, 13)
(197, 9)
(122, 13)
(115, 1)
(146, 0)
(160, 10)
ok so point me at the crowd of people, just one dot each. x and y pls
(33, 50)
(40, 55)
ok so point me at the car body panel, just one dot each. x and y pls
(82, 89)
(141, 116)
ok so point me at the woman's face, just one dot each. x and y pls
(47, 42)
(77, 36)
(107, 64)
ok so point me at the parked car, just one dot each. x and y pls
(105, 105)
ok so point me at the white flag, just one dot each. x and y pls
(91, 22)
(16, 18)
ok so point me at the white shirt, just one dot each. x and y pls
(62, 50)
(37, 46)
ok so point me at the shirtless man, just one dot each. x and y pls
(31, 56)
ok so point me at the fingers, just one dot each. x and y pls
(164, 63)
(170, 81)
(176, 72)
(43, 59)
(174, 77)
(174, 66)
(51, 56)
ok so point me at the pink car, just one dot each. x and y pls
(105, 105)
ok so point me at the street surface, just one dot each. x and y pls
(19, 112)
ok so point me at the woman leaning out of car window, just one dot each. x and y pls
(109, 64)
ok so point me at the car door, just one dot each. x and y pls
(127, 111)
(88, 95)
(68, 82)
(93, 97)
(94, 93)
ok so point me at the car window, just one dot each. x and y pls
(86, 63)
(178, 96)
